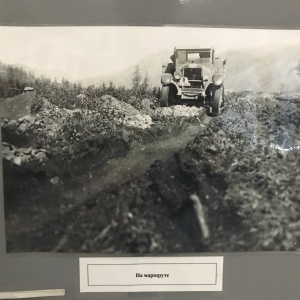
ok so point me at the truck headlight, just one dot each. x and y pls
(177, 74)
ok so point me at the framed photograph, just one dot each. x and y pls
(151, 147)
(145, 143)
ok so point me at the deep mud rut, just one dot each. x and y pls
(91, 176)
(121, 169)
(116, 170)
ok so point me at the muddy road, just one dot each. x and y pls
(102, 171)
(242, 167)
(98, 176)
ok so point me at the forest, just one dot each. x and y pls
(64, 93)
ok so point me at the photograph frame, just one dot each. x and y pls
(254, 266)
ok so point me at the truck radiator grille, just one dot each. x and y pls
(192, 73)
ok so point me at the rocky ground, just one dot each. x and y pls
(162, 180)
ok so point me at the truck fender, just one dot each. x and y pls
(166, 79)
(217, 79)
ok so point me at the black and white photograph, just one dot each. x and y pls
(142, 140)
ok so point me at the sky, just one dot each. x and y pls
(80, 52)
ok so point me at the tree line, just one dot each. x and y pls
(13, 80)
(65, 93)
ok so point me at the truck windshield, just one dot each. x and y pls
(184, 56)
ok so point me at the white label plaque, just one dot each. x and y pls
(148, 274)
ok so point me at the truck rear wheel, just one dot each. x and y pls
(217, 99)
(223, 98)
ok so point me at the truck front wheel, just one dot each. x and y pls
(217, 99)
(165, 92)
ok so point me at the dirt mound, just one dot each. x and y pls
(59, 129)
(178, 111)
(139, 121)
(132, 116)
(111, 102)
(21, 156)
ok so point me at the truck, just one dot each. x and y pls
(195, 75)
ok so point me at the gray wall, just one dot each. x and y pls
(247, 276)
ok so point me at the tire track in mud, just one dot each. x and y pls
(120, 169)
(98, 176)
